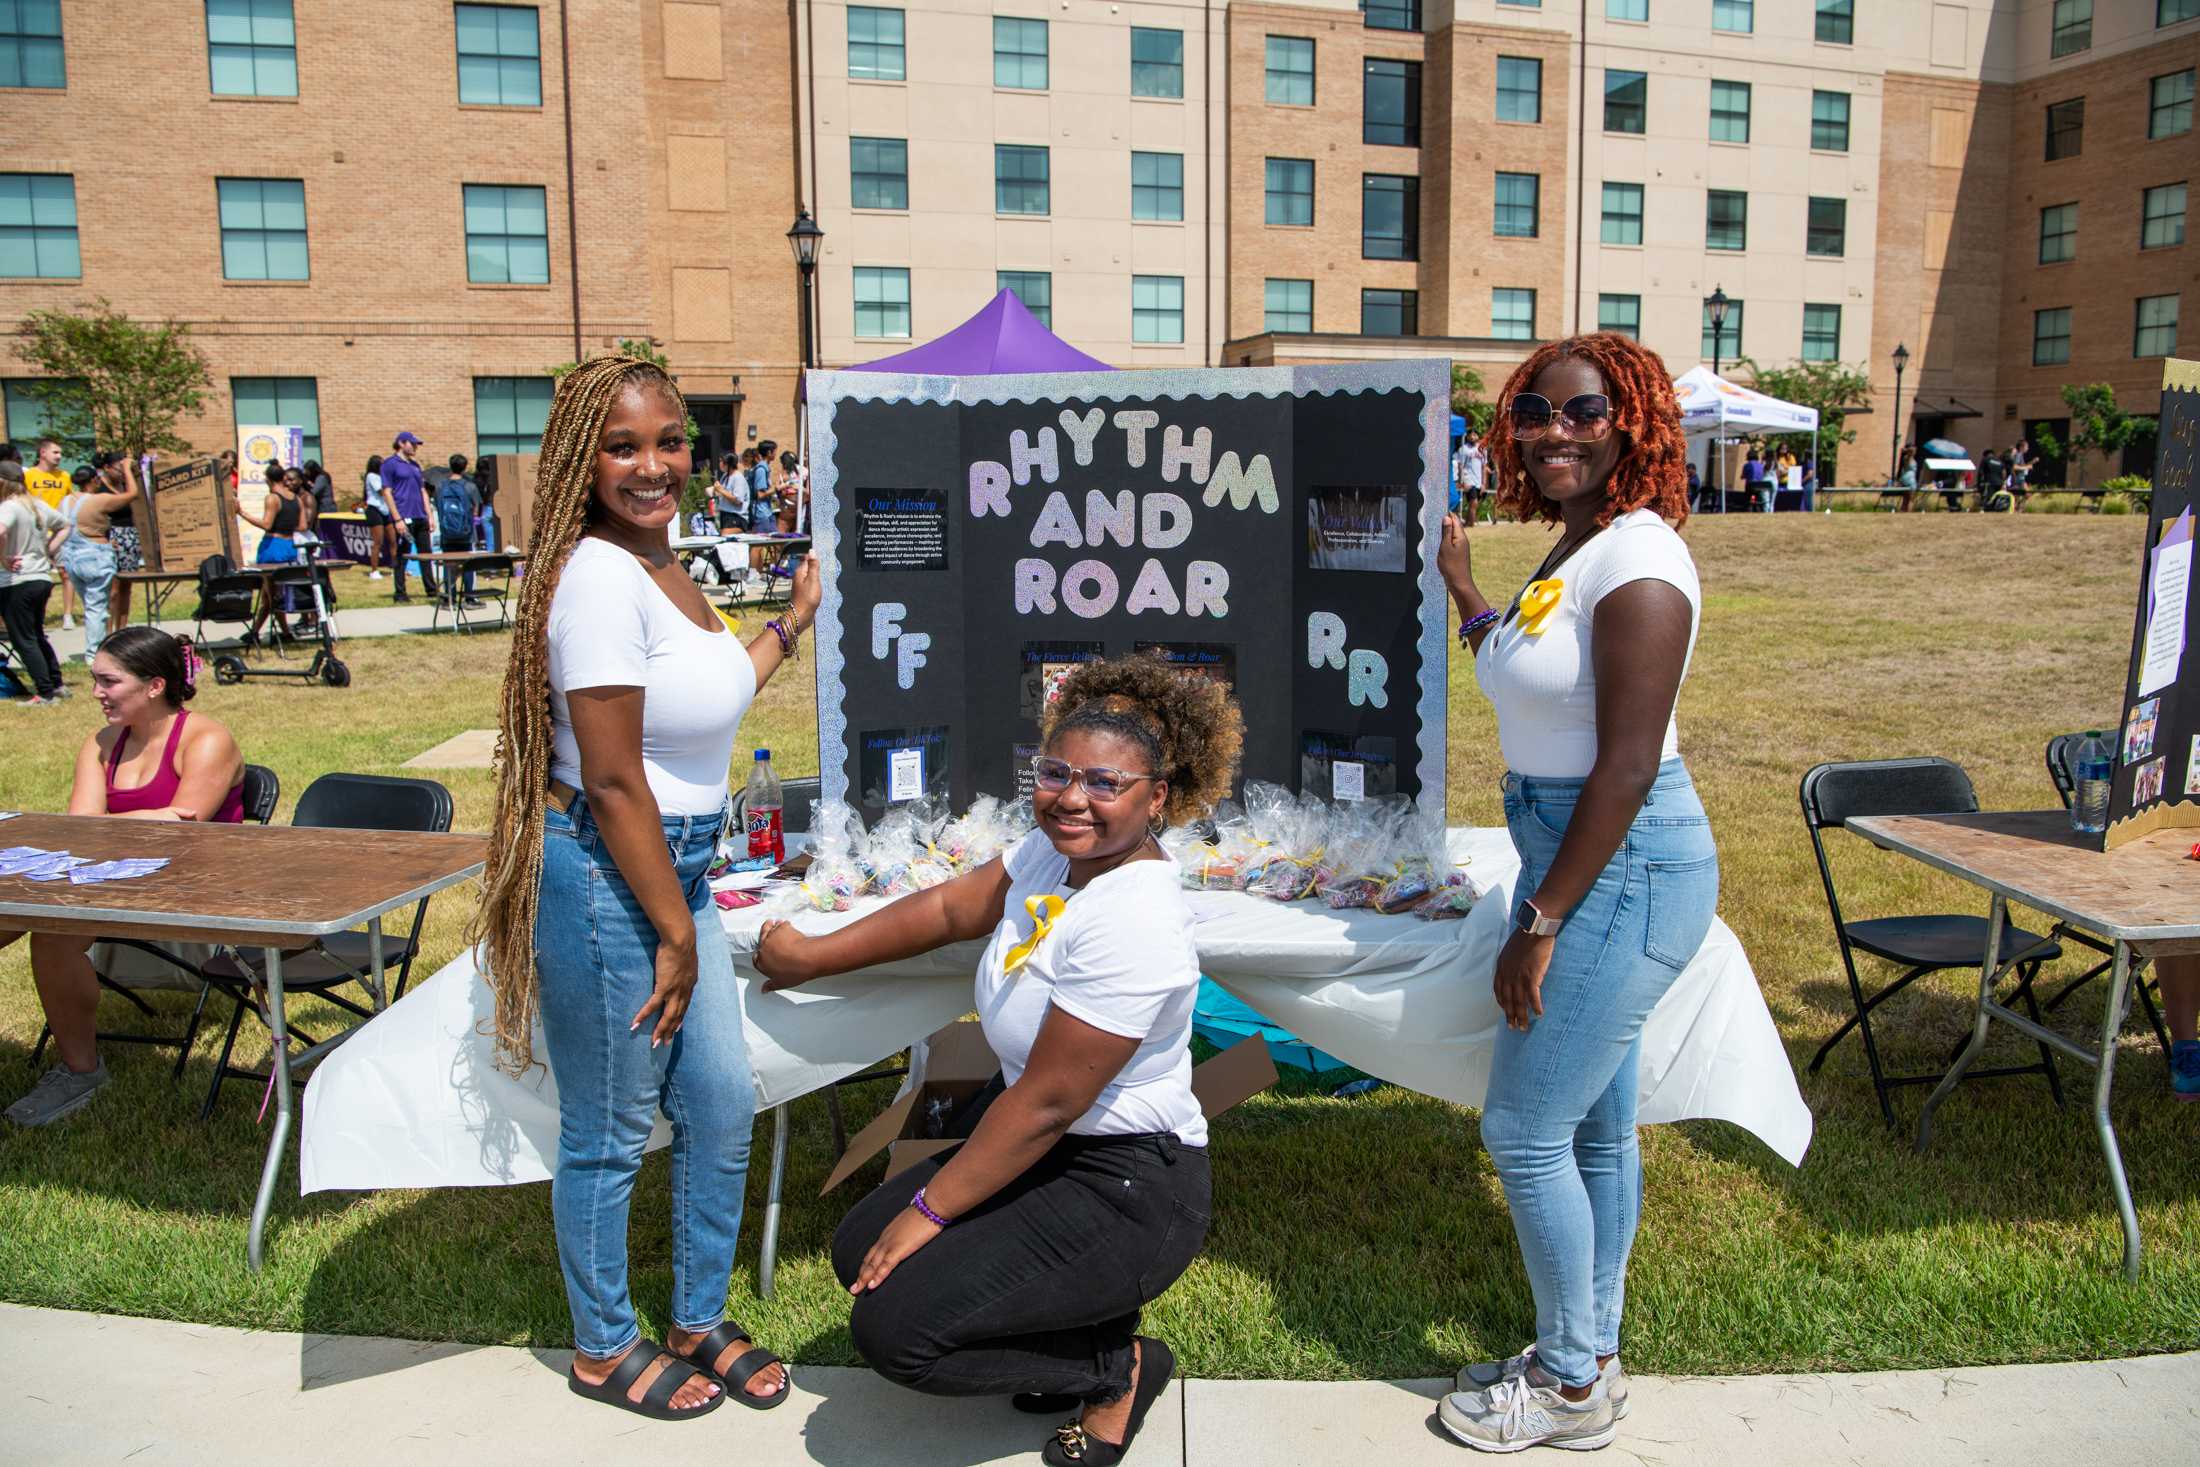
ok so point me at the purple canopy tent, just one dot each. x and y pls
(1002, 338)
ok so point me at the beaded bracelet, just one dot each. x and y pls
(786, 635)
(929, 1215)
(1474, 624)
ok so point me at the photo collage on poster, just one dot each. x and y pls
(1358, 528)
(2140, 726)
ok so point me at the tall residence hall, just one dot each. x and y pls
(401, 215)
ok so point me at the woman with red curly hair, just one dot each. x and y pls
(1618, 875)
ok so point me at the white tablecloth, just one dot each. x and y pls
(414, 1098)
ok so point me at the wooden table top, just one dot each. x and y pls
(243, 884)
(2144, 892)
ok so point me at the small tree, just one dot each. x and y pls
(2097, 425)
(111, 379)
(1466, 398)
(635, 346)
(1834, 388)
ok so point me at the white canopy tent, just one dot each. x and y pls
(1711, 404)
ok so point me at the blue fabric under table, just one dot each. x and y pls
(1222, 1021)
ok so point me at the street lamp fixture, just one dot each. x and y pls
(1715, 305)
(1894, 462)
(804, 239)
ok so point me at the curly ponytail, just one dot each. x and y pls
(1188, 725)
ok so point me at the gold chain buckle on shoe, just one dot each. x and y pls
(1071, 1434)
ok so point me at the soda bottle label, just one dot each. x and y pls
(766, 838)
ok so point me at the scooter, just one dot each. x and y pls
(230, 667)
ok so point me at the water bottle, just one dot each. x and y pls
(2094, 762)
(766, 810)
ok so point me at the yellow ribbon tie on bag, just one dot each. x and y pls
(1044, 910)
(1537, 602)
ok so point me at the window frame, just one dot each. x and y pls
(1611, 6)
(2070, 108)
(31, 417)
(1815, 234)
(1534, 93)
(1818, 95)
(1407, 304)
(2148, 218)
(21, 43)
(499, 56)
(1509, 294)
(1499, 204)
(1269, 309)
(1398, 15)
(2039, 320)
(2156, 107)
(1640, 110)
(1015, 28)
(1272, 73)
(1407, 188)
(1044, 312)
(1158, 189)
(1176, 66)
(1003, 181)
(1408, 82)
(254, 50)
(899, 46)
(521, 441)
(879, 176)
(1843, 15)
(2069, 235)
(1270, 193)
(260, 234)
(1711, 198)
(875, 276)
(1607, 216)
(2069, 28)
(38, 234)
(2140, 326)
(504, 206)
(1727, 114)
(1155, 315)
(1832, 347)
(2162, 17)
(1634, 302)
(1747, 10)
(280, 414)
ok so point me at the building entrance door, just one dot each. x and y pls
(713, 431)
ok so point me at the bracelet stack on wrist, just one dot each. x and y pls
(787, 634)
(928, 1214)
(1474, 624)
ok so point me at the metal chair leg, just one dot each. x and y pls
(767, 1262)
(190, 1033)
(840, 1125)
(221, 1065)
(2027, 972)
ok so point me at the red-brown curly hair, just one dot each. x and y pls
(1652, 471)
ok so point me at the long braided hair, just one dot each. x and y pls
(565, 484)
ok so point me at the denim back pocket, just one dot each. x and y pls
(1680, 898)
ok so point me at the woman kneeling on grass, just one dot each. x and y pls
(1019, 1263)
(151, 761)
(1618, 874)
(619, 711)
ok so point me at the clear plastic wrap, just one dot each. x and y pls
(836, 876)
(1218, 863)
(1290, 834)
(1421, 863)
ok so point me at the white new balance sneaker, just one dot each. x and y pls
(1528, 1411)
(1481, 1375)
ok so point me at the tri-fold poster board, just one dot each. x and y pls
(1272, 528)
(2156, 784)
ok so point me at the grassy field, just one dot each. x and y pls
(1362, 1238)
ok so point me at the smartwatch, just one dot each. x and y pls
(1530, 919)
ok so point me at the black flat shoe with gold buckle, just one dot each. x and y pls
(1073, 1446)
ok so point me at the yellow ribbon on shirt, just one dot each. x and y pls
(1044, 910)
(1537, 601)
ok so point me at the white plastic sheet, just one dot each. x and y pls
(415, 1100)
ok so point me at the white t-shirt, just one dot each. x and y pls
(1544, 685)
(611, 627)
(1467, 465)
(1120, 957)
(26, 524)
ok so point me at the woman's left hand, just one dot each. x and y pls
(909, 1231)
(1521, 964)
(809, 589)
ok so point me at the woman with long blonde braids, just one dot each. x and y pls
(617, 724)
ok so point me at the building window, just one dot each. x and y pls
(1390, 313)
(1837, 22)
(1622, 214)
(875, 44)
(1626, 101)
(2154, 330)
(507, 235)
(1291, 71)
(30, 44)
(1523, 4)
(1512, 314)
(1821, 333)
(2162, 217)
(1390, 217)
(1290, 191)
(509, 413)
(499, 55)
(1157, 310)
(1726, 220)
(2065, 129)
(1393, 15)
(31, 417)
(1019, 53)
(1734, 15)
(878, 173)
(882, 301)
(1289, 305)
(1035, 288)
(289, 402)
(1829, 121)
(252, 48)
(2058, 234)
(1620, 313)
(1157, 186)
(1729, 112)
(1391, 104)
(2169, 12)
(1020, 179)
(38, 227)
(1518, 205)
(1828, 232)
(1157, 63)
(263, 224)
(1728, 343)
(2169, 104)
(2073, 27)
(2051, 337)
(1627, 10)
(1519, 89)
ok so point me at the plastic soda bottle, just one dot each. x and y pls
(2094, 763)
(766, 810)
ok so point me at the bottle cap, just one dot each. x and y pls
(763, 755)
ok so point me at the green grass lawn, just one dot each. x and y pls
(1363, 1238)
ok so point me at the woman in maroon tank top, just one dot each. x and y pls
(152, 761)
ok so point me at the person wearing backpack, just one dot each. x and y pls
(456, 502)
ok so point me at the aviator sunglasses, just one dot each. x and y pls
(1101, 783)
(1584, 419)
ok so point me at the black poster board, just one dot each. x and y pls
(2156, 784)
(1274, 528)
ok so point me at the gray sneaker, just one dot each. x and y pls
(59, 1092)
(1482, 1375)
(1528, 1411)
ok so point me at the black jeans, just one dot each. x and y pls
(422, 544)
(457, 544)
(23, 608)
(1039, 1288)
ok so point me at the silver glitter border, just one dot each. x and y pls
(1429, 377)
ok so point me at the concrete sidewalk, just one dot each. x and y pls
(93, 1388)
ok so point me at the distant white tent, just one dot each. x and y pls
(1711, 404)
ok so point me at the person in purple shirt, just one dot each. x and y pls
(408, 495)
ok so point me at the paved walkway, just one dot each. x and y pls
(95, 1388)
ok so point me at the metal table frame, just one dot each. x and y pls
(2128, 943)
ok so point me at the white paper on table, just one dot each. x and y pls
(2172, 576)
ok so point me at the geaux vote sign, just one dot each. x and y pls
(1272, 528)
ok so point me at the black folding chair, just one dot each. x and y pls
(338, 802)
(1832, 794)
(262, 791)
(452, 594)
(2062, 768)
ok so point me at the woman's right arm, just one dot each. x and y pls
(968, 907)
(264, 521)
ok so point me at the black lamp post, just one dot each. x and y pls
(1714, 306)
(804, 239)
(1894, 463)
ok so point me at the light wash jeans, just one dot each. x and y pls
(90, 568)
(595, 953)
(1559, 1121)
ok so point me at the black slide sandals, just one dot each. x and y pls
(656, 1402)
(744, 1368)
